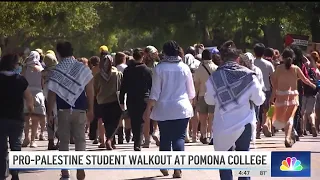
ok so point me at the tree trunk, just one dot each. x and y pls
(205, 36)
(315, 28)
(272, 35)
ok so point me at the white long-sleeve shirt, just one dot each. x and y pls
(172, 89)
(227, 127)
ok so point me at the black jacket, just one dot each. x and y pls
(136, 82)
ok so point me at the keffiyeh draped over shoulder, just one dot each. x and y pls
(68, 79)
(230, 81)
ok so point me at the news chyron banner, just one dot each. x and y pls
(243, 164)
(300, 40)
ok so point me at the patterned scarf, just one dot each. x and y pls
(171, 59)
(230, 81)
(105, 67)
(33, 61)
(68, 79)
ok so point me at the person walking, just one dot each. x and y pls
(51, 61)
(233, 90)
(170, 101)
(137, 81)
(286, 96)
(108, 78)
(32, 72)
(13, 91)
(206, 111)
(72, 99)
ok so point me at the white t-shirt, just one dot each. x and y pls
(121, 67)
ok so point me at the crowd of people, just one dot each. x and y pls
(225, 95)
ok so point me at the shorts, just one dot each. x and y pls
(308, 104)
(38, 102)
(203, 107)
(266, 105)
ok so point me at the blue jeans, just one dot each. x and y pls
(172, 132)
(242, 144)
(13, 130)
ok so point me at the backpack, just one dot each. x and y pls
(309, 91)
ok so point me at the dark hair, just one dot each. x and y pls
(128, 53)
(94, 61)
(191, 50)
(229, 51)
(119, 58)
(181, 52)
(298, 60)
(8, 62)
(206, 55)
(258, 49)
(288, 56)
(268, 52)
(216, 58)
(171, 48)
(64, 49)
(137, 54)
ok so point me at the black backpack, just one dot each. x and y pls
(309, 91)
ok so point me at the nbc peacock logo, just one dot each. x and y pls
(291, 164)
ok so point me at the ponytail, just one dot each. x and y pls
(288, 62)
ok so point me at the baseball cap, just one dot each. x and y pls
(103, 48)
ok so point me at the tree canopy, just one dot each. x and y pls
(124, 25)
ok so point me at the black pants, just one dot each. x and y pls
(12, 129)
(298, 118)
(110, 113)
(94, 122)
(136, 110)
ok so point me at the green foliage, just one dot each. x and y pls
(124, 25)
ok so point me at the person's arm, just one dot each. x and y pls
(29, 100)
(96, 84)
(190, 85)
(274, 83)
(197, 82)
(123, 87)
(90, 95)
(51, 102)
(258, 96)
(155, 89)
(210, 93)
(149, 79)
(303, 78)
(317, 72)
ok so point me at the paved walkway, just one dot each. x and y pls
(275, 143)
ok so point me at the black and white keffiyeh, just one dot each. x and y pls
(68, 79)
(230, 81)
(171, 59)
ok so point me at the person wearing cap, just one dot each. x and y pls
(51, 52)
(40, 51)
(205, 111)
(103, 48)
(32, 72)
(170, 101)
(51, 61)
(151, 59)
